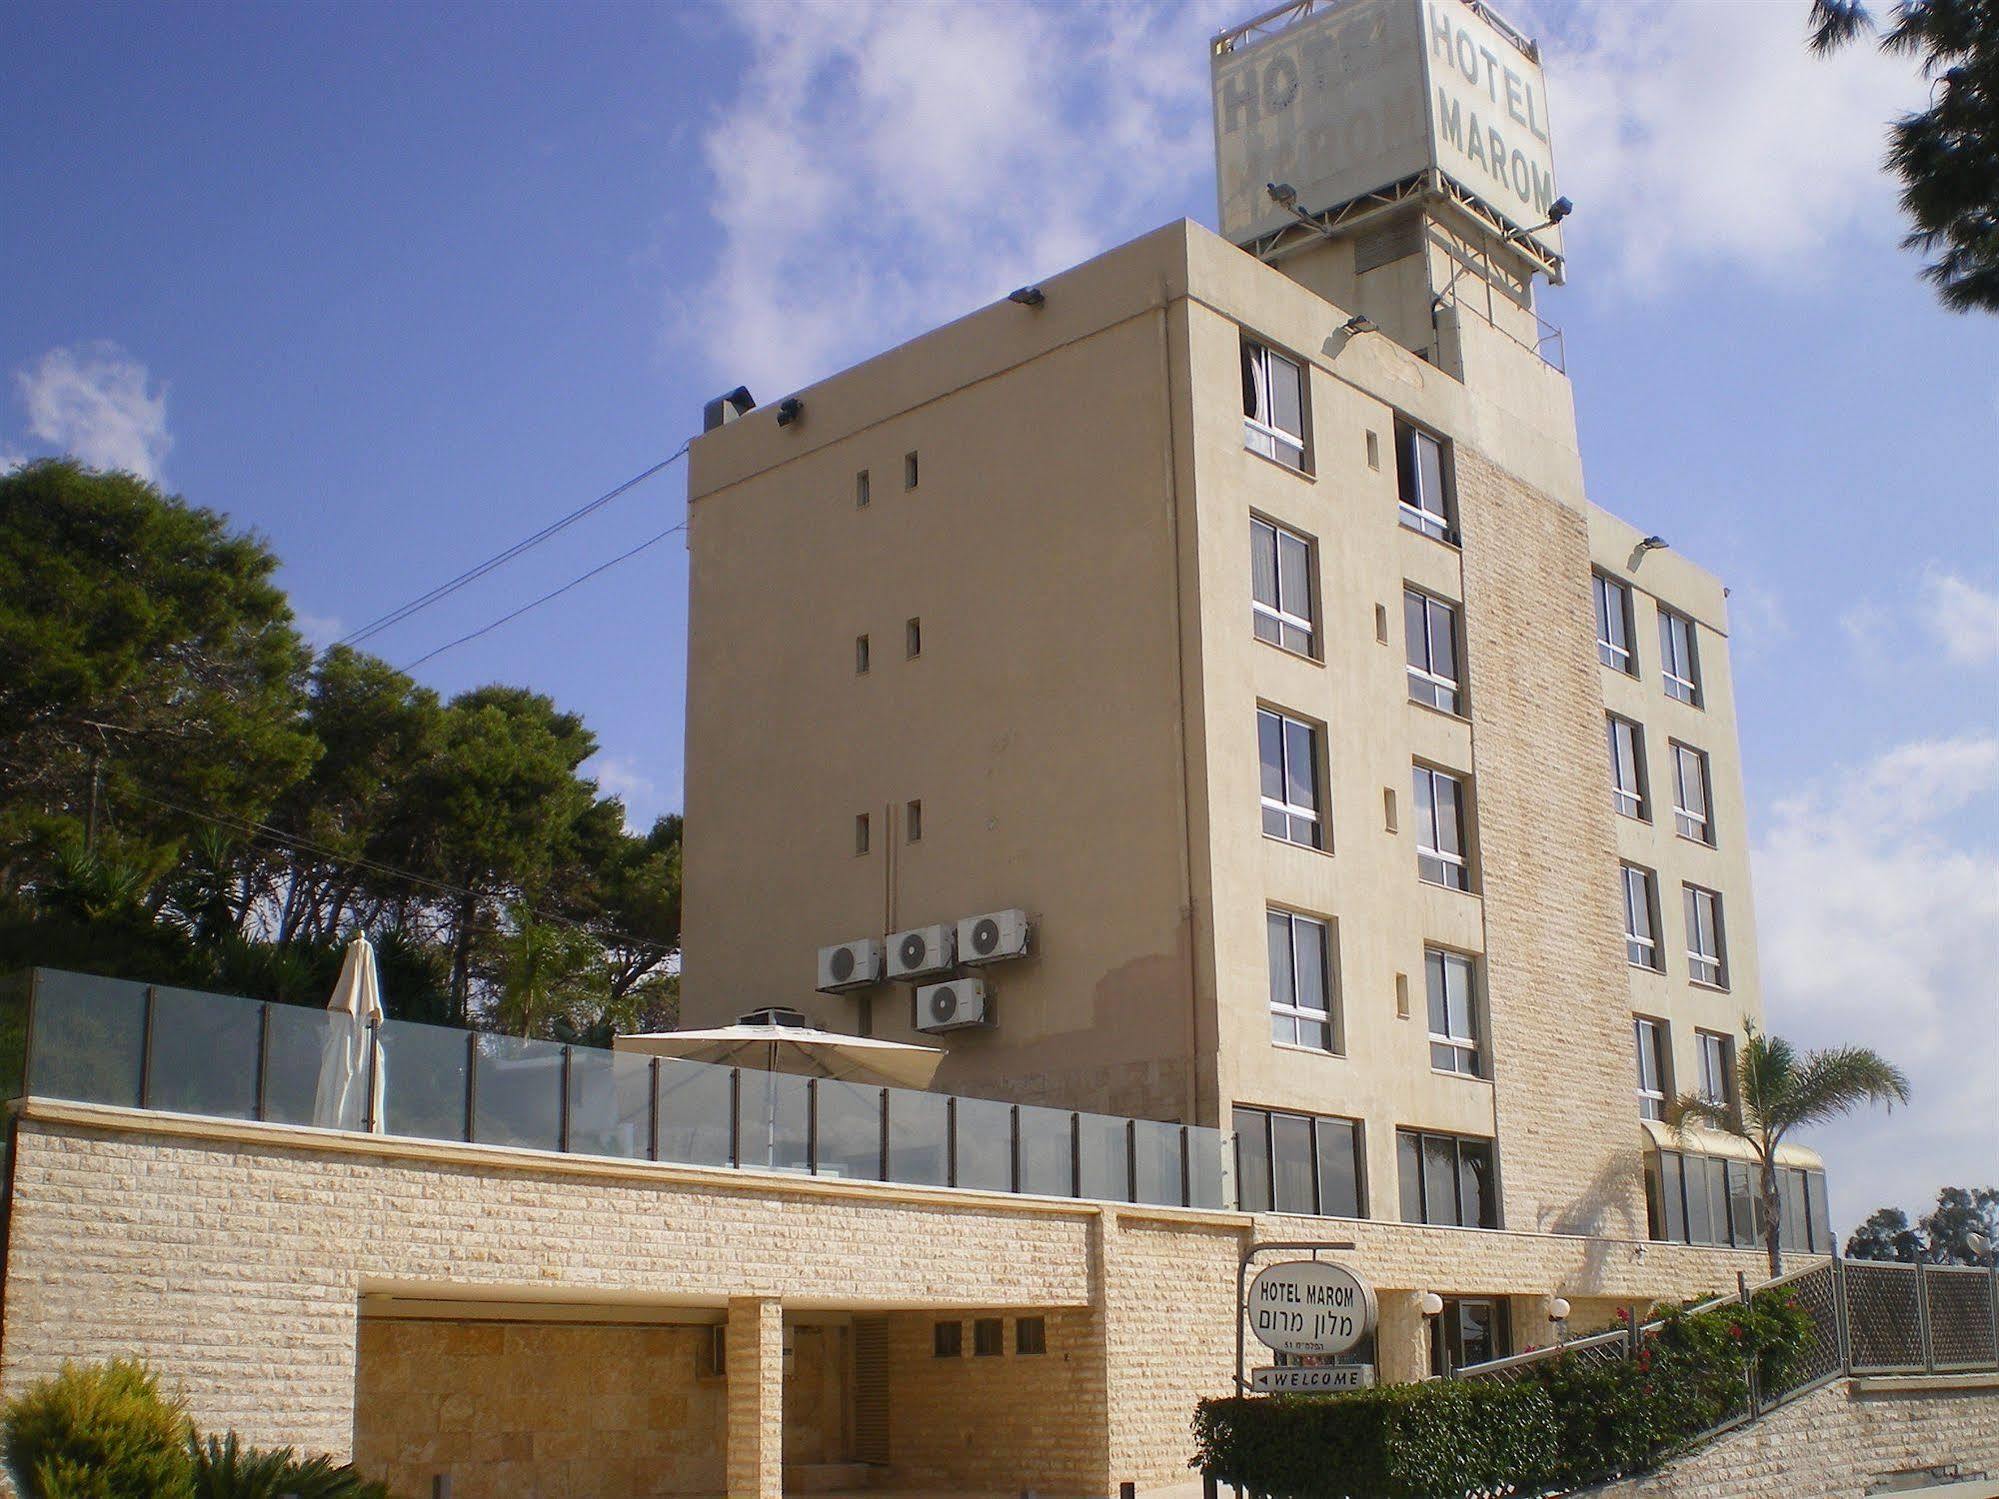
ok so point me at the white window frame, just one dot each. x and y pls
(1455, 865)
(1291, 810)
(1461, 1048)
(1679, 656)
(1291, 1010)
(1707, 951)
(1259, 363)
(1716, 1054)
(1627, 801)
(1655, 1089)
(1691, 822)
(1612, 597)
(1641, 917)
(1276, 610)
(1441, 523)
(1426, 684)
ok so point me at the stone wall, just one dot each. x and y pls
(1559, 998)
(1838, 1440)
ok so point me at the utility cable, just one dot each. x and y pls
(473, 574)
(554, 593)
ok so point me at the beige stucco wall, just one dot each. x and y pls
(235, 1258)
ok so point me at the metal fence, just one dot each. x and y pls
(148, 1046)
(1867, 1317)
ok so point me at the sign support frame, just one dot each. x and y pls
(1248, 1253)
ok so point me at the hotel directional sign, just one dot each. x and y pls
(1294, 1380)
(1310, 1308)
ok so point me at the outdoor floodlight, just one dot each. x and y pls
(1358, 324)
(1652, 543)
(1027, 296)
(789, 410)
(1283, 194)
(1560, 209)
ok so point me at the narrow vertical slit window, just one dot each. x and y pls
(909, 471)
(912, 639)
(861, 495)
(1280, 564)
(860, 655)
(861, 833)
(912, 821)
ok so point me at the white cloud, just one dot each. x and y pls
(1702, 133)
(1964, 617)
(321, 630)
(620, 776)
(885, 166)
(1877, 892)
(98, 403)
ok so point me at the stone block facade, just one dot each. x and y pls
(236, 1259)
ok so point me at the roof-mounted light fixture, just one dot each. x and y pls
(1652, 544)
(789, 410)
(1358, 324)
(1558, 210)
(1027, 296)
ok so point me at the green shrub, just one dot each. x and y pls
(98, 1432)
(225, 1469)
(1566, 1423)
(1442, 1440)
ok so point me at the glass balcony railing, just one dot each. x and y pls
(146, 1046)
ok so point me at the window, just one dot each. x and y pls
(1697, 1199)
(1717, 1067)
(1273, 405)
(1440, 824)
(1453, 1013)
(860, 655)
(1641, 923)
(861, 833)
(912, 821)
(909, 474)
(912, 638)
(1654, 1067)
(1422, 473)
(1679, 667)
(1430, 634)
(1627, 767)
(1690, 794)
(1470, 1330)
(947, 1340)
(1301, 998)
(1446, 1179)
(861, 495)
(1289, 751)
(1298, 1163)
(1374, 451)
(713, 1360)
(1707, 960)
(1030, 1335)
(1280, 569)
(1613, 624)
(988, 1337)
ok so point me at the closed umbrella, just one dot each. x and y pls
(353, 1016)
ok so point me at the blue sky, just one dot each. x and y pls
(395, 285)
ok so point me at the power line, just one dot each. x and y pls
(473, 574)
(551, 594)
(374, 866)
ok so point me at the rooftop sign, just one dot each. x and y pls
(1342, 98)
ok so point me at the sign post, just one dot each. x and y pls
(1315, 1309)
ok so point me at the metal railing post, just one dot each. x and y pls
(1013, 1144)
(369, 1073)
(736, 1117)
(951, 1142)
(1842, 1326)
(562, 1125)
(146, 1054)
(1748, 1361)
(811, 1122)
(1131, 1160)
(652, 1113)
(1992, 1306)
(263, 1055)
(471, 1085)
(883, 1132)
(1923, 1318)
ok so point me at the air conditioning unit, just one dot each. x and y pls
(850, 965)
(993, 937)
(922, 951)
(952, 1006)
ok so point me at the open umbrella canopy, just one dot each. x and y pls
(784, 1041)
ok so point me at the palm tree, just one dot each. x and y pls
(1779, 1090)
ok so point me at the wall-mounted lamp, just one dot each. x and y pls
(1652, 544)
(1358, 324)
(1283, 194)
(1558, 210)
(1027, 296)
(789, 410)
(1432, 1305)
(1558, 1309)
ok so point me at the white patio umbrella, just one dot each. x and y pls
(353, 1016)
(784, 1041)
